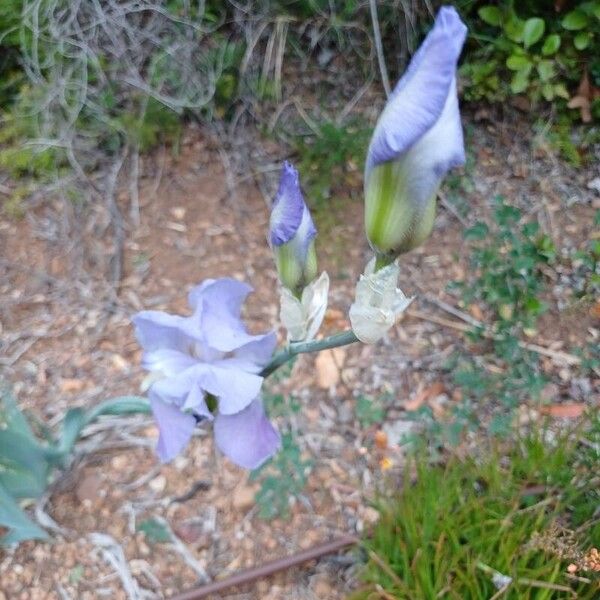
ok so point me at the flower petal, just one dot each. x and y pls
(155, 329)
(166, 361)
(175, 428)
(288, 207)
(234, 388)
(420, 96)
(175, 389)
(247, 438)
(257, 353)
(217, 304)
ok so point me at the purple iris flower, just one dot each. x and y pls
(292, 233)
(417, 139)
(207, 366)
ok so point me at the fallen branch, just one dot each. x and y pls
(269, 568)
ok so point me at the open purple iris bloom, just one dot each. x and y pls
(417, 139)
(207, 366)
(292, 233)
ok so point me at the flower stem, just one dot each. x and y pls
(383, 260)
(333, 341)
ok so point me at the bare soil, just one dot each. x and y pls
(67, 341)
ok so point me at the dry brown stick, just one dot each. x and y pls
(565, 357)
(267, 569)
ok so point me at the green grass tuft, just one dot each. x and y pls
(526, 514)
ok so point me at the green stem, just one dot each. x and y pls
(333, 341)
(383, 260)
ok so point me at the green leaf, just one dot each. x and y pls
(121, 405)
(479, 231)
(18, 523)
(23, 465)
(518, 62)
(551, 44)
(548, 92)
(491, 15)
(514, 29)
(545, 68)
(533, 31)
(561, 91)
(155, 531)
(575, 20)
(582, 40)
(520, 82)
(73, 423)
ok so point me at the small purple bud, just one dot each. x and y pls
(292, 233)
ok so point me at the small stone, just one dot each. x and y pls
(370, 515)
(178, 212)
(119, 462)
(158, 484)
(322, 589)
(89, 489)
(381, 439)
(72, 385)
(243, 497)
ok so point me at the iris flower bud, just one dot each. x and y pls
(292, 233)
(417, 139)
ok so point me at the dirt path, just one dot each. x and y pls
(67, 341)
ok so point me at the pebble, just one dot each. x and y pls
(158, 484)
(243, 497)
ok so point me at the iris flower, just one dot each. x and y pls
(207, 366)
(417, 139)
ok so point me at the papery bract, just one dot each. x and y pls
(292, 233)
(378, 302)
(303, 317)
(206, 366)
(417, 139)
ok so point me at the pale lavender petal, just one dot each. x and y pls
(258, 353)
(175, 428)
(168, 362)
(175, 390)
(304, 236)
(420, 96)
(288, 207)
(217, 304)
(155, 329)
(235, 389)
(247, 438)
(196, 403)
(224, 294)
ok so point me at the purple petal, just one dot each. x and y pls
(224, 294)
(288, 207)
(195, 402)
(305, 234)
(175, 428)
(247, 438)
(420, 96)
(155, 329)
(168, 362)
(217, 304)
(234, 388)
(257, 353)
(175, 390)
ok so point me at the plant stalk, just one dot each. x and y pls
(294, 348)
